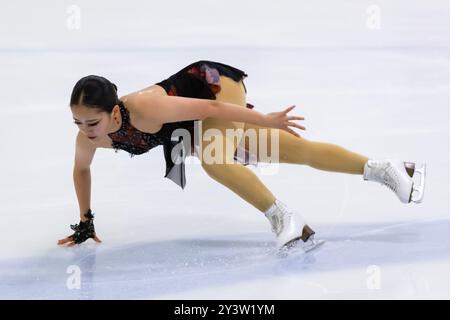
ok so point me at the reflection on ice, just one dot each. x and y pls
(150, 270)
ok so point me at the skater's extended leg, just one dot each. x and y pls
(298, 150)
(395, 174)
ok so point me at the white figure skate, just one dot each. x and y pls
(397, 176)
(290, 229)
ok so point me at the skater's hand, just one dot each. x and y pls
(83, 231)
(281, 120)
(70, 241)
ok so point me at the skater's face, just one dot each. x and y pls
(95, 124)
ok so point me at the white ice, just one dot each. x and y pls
(380, 92)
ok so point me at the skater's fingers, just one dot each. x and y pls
(293, 124)
(67, 244)
(289, 108)
(96, 239)
(292, 132)
(295, 118)
(65, 240)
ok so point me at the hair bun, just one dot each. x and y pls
(115, 87)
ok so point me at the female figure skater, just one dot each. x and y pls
(214, 95)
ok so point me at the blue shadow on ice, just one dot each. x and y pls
(153, 269)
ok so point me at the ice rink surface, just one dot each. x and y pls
(377, 87)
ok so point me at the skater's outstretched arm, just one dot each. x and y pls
(162, 109)
(84, 154)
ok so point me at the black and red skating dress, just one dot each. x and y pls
(197, 80)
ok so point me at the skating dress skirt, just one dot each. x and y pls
(198, 80)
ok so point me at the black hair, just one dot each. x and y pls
(95, 92)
